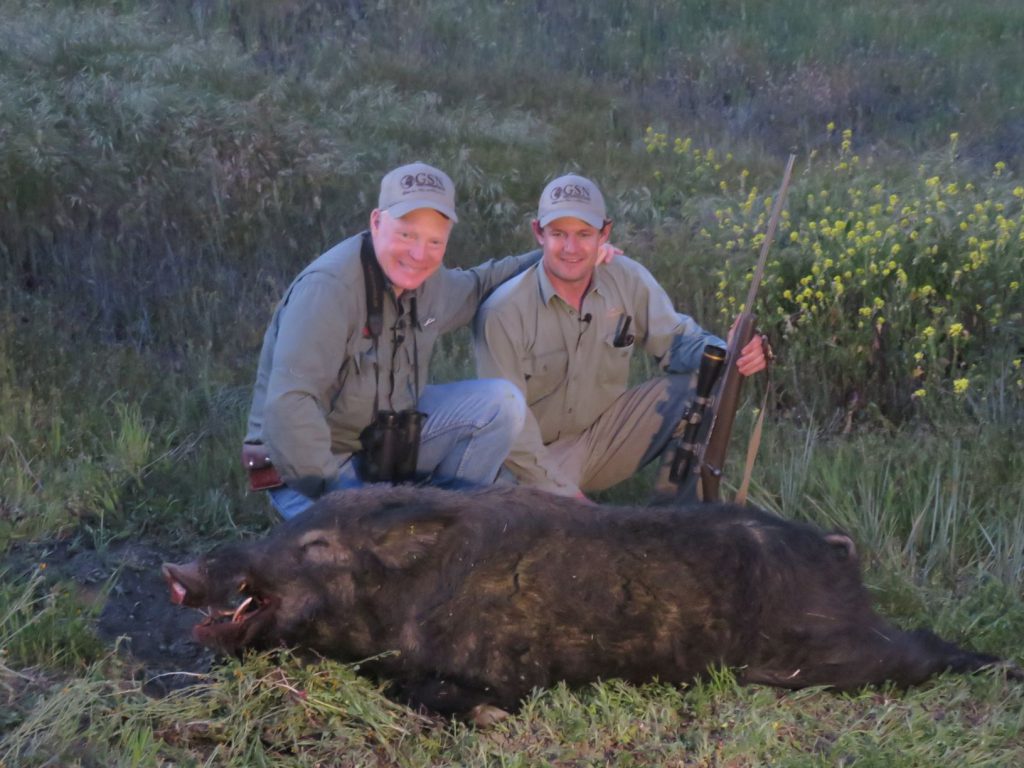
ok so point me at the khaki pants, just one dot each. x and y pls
(634, 431)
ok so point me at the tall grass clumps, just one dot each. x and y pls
(269, 711)
(43, 624)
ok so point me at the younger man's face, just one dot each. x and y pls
(570, 249)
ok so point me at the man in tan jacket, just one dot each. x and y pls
(345, 359)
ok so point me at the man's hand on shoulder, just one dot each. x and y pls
(607, 252)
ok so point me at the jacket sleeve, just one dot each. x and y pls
(312, 333)
(498, 343)
(468, 288)
(675, 340)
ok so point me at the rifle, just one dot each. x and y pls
(696, 469)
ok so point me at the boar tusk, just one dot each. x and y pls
(237, 615)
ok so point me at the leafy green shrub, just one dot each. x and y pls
(905, 290)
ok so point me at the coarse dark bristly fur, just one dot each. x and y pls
(476, 598)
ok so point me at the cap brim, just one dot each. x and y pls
(408, 206)
(588, 216)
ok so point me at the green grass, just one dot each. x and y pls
(44, 624)
(167, 167)
(271, 711)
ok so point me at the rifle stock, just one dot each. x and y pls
(712, 453)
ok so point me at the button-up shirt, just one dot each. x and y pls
(572, 365)
(321, 375)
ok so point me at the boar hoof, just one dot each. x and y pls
(486, 715)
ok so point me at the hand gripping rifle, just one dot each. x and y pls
(696, 469)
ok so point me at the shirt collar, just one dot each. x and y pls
(547, 290)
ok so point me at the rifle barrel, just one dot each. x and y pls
(726, 400)
(769, 235)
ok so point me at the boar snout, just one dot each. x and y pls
(186, 583)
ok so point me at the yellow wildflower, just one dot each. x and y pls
(960, 385)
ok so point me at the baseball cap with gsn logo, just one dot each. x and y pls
(417, 185)
(572, 196)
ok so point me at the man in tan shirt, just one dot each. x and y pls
(563, 332)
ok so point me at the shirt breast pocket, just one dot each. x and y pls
(544, 374)
(613, 368)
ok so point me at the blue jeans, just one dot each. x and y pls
(469, 430)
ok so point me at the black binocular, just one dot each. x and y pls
(391, 447)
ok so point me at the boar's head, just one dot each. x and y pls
(300, 585)
(233, 592)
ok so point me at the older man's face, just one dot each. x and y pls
(409, 248)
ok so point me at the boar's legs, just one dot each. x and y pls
(449, 696)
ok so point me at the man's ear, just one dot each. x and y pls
(538, 231)
(375, 215)
(606, 231)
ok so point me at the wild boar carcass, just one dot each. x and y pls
(476, 598)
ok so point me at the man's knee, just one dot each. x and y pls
(509, 405)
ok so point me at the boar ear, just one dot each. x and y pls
(405, 541)
(323, 548)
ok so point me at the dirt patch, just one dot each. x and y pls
(124, 586)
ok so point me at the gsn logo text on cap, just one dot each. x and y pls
(422, 180)
(571, 192)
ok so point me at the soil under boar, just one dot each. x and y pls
(477, 598)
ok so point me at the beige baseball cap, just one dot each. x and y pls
(417, 185)
(573, 196)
